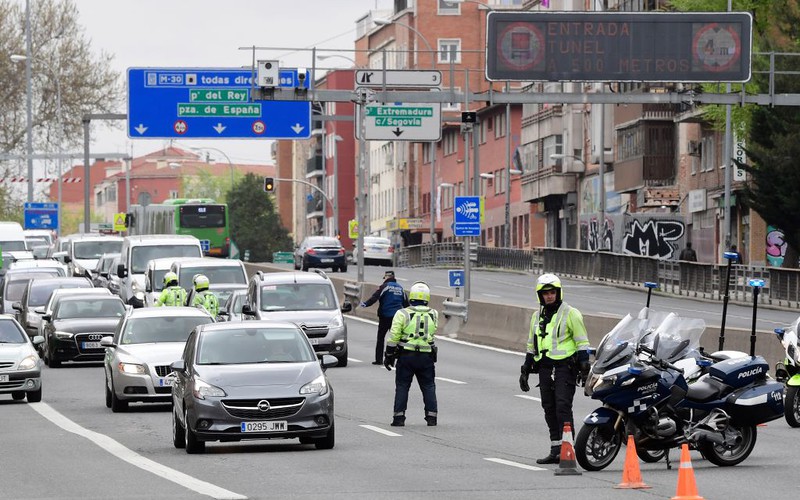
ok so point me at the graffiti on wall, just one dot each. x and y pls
(599, 238)
(776, 246)
(653, 238)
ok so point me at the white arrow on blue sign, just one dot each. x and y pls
(209, 103)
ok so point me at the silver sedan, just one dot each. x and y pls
(20, 365)
(137, 359)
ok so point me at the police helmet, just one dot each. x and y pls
(548, 281)
(200, 282)
(419, 291)
(170, 279)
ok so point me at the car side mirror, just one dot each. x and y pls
(47, 317)
(347, 307)
(328, 361)
(107, 342)
(39, 310)
(121, 270)
(16, 306)
(67, 259)
(247, 310)
(37, 340)
(178, 366)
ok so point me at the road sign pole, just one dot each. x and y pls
(467, 136)
(360, 174)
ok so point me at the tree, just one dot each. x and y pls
(60, 50)
(255, 224)
(206, 183)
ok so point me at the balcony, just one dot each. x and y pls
(314, 167)
(646, 155)
(315, 206)
(549, 181)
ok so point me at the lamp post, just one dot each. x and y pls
(28, 98)
(385, 22)
(336, 140)
(19, 58)
(323, 57)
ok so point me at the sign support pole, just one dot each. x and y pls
(467, 137)
(360, 174)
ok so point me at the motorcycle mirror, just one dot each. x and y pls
(779, 332)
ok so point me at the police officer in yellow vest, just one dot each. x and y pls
(558, 352)
(172, 294)
(411, 344)
(203, 297)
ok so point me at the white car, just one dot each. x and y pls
(378, 250)
(138, 356)
(20, 365)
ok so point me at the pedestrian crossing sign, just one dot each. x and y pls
(119, 222)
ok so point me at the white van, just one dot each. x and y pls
(85, 250)
(12, 237)
(137, 251)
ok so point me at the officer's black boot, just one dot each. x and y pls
(431, 421)
(398, 421)
(553, 458)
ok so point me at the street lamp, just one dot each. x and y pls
(230, 163)
(323, 57)
(19, 58)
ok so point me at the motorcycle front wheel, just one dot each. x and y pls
(597, 446)
(724, 456)
(791, 405)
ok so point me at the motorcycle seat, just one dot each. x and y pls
(705, 389)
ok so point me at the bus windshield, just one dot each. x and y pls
(141, 255)
(202, 216)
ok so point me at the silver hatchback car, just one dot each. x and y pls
(251, 380)
(137, 359)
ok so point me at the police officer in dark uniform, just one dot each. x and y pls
(558, 352)
(391, 298)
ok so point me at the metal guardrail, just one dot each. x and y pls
(457, 309)
(352, 292)
(690, 279)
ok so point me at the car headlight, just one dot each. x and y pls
(317, 386)
(336, 322)
(133, 368)
(79, 269)
(63, 335)
(28, 363)
(202, 389)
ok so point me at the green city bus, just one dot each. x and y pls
(202, 218)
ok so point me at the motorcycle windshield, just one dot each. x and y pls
(676, 338)
(618, 346)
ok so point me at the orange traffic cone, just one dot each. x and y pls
(567, 466)
(631, 475)
(687, 489)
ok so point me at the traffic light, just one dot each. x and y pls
(269, 184)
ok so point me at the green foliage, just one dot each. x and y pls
(255, 224)
(10, 210)
(207, 183)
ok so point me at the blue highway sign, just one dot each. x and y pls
(456, 278)
(41, 215)
(210, 103)
(467, 211)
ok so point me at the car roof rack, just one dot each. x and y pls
(320, 272)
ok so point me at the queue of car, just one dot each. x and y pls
(255, 371)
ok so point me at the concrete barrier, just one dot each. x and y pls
(507, 327)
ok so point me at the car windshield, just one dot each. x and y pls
(158, 279)
(11, 334)
(41, 292)
(227, 274)
(297, 297)
(324, 243)
(94, 307)
(13, 246)
(253, 345)
(36, 241)
(141, 255)
(95, 249)
(222, 295)
(161, 329)
(105, 265)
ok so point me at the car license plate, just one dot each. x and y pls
(269, 426)
(3, 378)
(166, 382)
(90, 345)
(326, 260)
(314, 341)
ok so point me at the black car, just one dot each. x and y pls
(320, 251)
(77, 325)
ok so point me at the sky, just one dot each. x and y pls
(209, 34)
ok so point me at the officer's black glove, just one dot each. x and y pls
(583, 367)
(389, 357)
(523, 379)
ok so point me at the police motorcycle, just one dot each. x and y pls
(788, 372)
(646, 395)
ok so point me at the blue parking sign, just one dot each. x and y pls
(456, 278)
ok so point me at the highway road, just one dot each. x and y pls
(489, 435)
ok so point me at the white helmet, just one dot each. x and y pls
(419, 291)
(548, 281)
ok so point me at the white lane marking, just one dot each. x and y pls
(442, 286)
(450, 380)
(354, 360)
(118, 450)
(381, 431)
(490, 295)
(528, 397)
(514, 464)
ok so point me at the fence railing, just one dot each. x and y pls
(691, 279)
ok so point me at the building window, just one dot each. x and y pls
(111, 193)
(500, 125)
(452, 106)
(708, 154)
(173, 194)
(449, 9)
(450, 143)
(552, 146)
(482, 126)
(449, 51)
(98, 202)
(426, 153)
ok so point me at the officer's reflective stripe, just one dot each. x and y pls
(432, 414)
(555, 443)
(414, 347)
(559, 330)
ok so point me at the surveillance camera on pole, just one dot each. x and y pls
(268, 74)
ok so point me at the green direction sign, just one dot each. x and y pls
(249, 110)
(218, 95)
(285, 257)
(402, 121)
